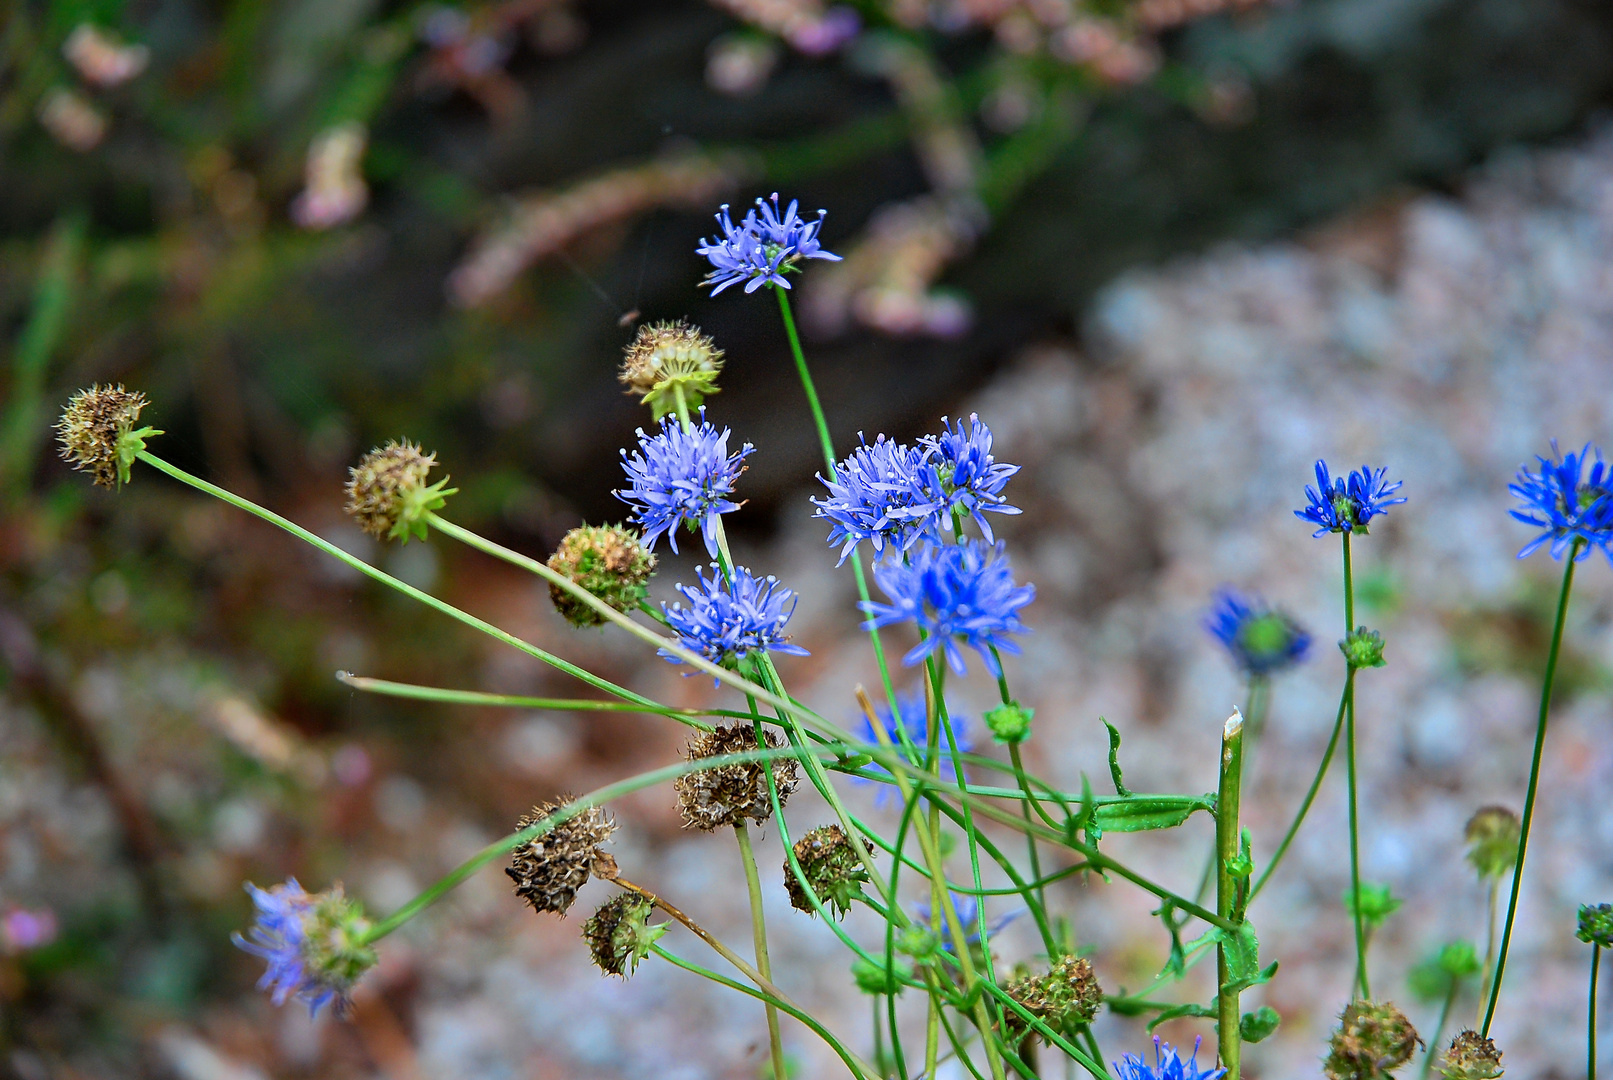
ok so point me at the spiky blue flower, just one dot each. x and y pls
(912, 716)
(1168, 1065)
(1343, 504)
(1566, 503)
(1261, 639)
(314, 943)
(956, 593)
(966, 479)
(763, 247)
(878, 495)
(967, 909)
(680, 476)
(727, 620)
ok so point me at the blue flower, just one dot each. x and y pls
(315, 944)
(914, 719)
(1346, 504)
(728, 620)
(968, 912)
(682, 476)
(966, 478)
(954, 592)
(1261, 639)
(1168, 1065)
(1566, 504)
(763, 247)
(878, 495)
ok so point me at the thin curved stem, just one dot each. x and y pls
(764, 964)
(1310, 797)
(1534, 779)
(1439, 1029)
(444, 695)
(1590, 1014)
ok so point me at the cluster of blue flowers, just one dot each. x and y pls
(953, 593)
(892, 494)
(1568, 506)
(912, 716)
(1261, 639)
(728, 619)
(763, 247)
(280, 936)
(1168, 1065)
(1345, 504)
(680, 476)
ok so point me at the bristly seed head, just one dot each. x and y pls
(549, 869)
(728, 794)
(388, 495)
(669, 356)
(1068, 994)
(619, 934)
(1371, 1042)
(831, 865)
(1472, 1057)
(1596, 925)
(608, 561)
(1492, 841)
(98, 435)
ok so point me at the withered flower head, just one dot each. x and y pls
(619, 934)
(98, 435)
(669, 356)
(549, 869)
(1492, 841)
(1067, 994)
(1472, 1057)
(388, 495)
(833, 868)
(608, 561)
(728, 794)
(1371, 1042)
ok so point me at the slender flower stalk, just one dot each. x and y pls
(1361, 984)
(764, 964)
(1230, 892)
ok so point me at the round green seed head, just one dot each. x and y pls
(606, 560)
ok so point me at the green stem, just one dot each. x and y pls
(1310, 797)
(1349, 764)
(444, 695)
(1534, 779)
(1590, 1014)
(806, 378)
(764, 964)
(1227, 900)
(1439, 1028)
(1487, 972)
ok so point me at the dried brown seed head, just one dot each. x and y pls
(1472, 1057)
(1371, 1042)
(728, 794)
(95, 428)
(549, 869)
(609, 561)
(387, 493)
(1065, 995)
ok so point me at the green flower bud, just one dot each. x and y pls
(1596, 925)
(669, 356)
(874, 979)
(608, 561)
(919, 942)
(98, 435)
(1492, 841)
(1431, 980)
(1363, 648)
(831, 866)
(387, 493)
(334, 950)
(1471, 1057)
(1010, 723)
(619, 934)
(1377, 903)
(1372, 1041)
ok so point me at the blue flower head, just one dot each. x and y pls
(1343, 504)
(1566, 503)
(967, 909)
(679, 476)
(1168, 1065)
(912, 716)
(956, 593)
(728, 620)
(765, 245)
(313, 943)
(1261, 639)
(967, 479)
(878, 495)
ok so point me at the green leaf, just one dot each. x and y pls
(1244, 864)
(1258, 1025)
(1190, 1009)
(1114, 760)
(1140, 813)
(1242, 950)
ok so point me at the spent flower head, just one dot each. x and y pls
(728, 620)
(729, 794)
(1261, 639)
(667, 358)
(619, 934)
(766, 244)
(1471, 1057)
(387, 493)
(1065, 995)
(1596, 925)
(832, 866)
(957, 593)
(314, 943)
(1372, 1040)
(1492, 835)
(1568, 504)
(606, 560)
(97, 432)
(549, 868)
(1344, 504)
(1168, 1065)
(684, 477)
